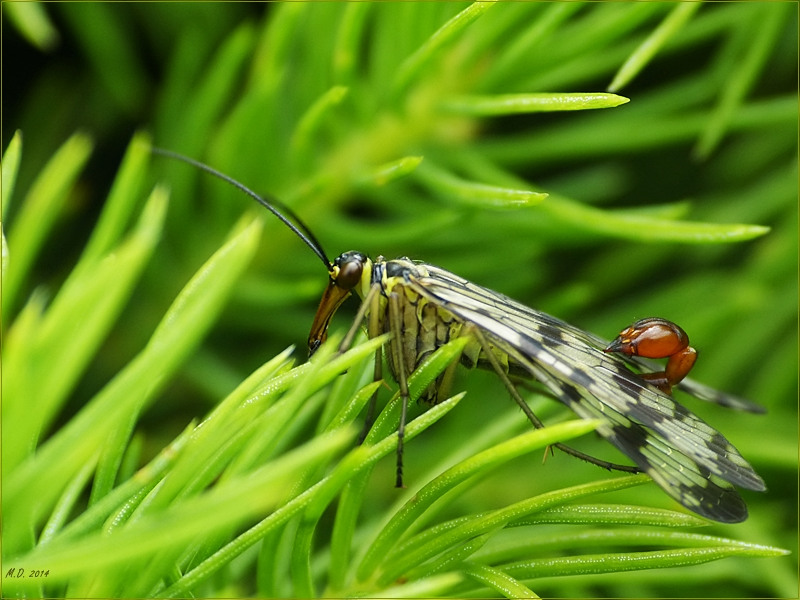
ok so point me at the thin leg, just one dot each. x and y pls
(369, 307)
(370, 416)
(373, 330)
(396, 326)
(347, 341)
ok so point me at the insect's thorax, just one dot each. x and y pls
(423, 325)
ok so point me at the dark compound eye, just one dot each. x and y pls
(351, 266)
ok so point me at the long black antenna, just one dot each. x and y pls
(302, 231)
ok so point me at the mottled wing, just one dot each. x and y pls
(684, 455)
(690, 484)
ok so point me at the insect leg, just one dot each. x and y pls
(396, 327)
(512, 390)
(373, 330)
(369, 299)
(368, 309)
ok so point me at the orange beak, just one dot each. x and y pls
(331, 300)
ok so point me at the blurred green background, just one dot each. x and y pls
(709, 134)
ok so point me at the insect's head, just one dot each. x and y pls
(349, 271)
